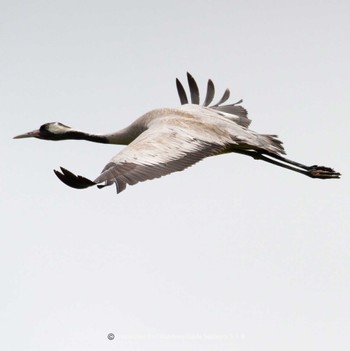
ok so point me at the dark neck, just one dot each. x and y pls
(121, 137)
(77, 135)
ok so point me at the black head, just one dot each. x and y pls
(48, 131)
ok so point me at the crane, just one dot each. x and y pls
(168, 140)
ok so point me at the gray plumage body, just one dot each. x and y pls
(167, 140)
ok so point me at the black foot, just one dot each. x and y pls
(322, 172)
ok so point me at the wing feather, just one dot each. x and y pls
(155, 154)
(167, 148)
(210, 93)
(224, 98)
(182, 93)
(234, 112)
(194, 91)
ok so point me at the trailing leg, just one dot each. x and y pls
(314, 171)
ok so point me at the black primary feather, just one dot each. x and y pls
(70, 179)
(194, 91)
(181, 92)
(224, 98)
(210, 93)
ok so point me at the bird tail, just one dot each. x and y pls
(271, 143)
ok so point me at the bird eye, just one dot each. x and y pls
(43, 127)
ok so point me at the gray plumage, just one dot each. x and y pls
(168, 140)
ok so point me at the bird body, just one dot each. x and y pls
(167, 140)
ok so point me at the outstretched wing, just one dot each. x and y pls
(234, 111)
(160, 150)
(166, 148)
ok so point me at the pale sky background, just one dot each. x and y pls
(231, 254)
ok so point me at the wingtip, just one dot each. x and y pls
(181, 92)
(72, 180)
(210, 93)
(194, 91)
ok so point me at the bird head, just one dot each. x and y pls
(48, 131)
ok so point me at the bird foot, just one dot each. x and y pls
(322, 172)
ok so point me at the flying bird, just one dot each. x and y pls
(168, 140)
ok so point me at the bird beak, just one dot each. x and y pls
(33, 134)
